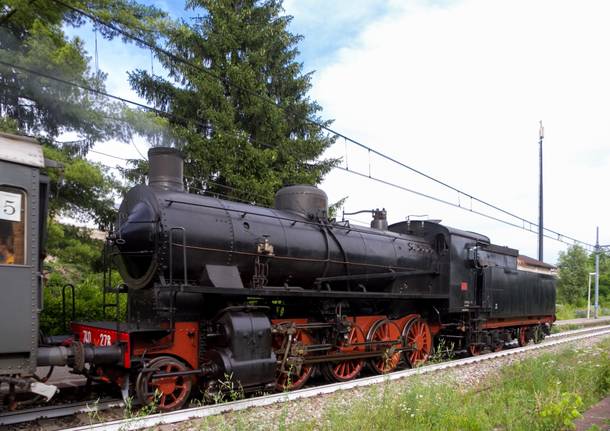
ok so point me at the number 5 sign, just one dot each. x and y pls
(10, 206)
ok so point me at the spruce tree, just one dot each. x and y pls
(236, 142)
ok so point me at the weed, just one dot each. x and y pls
(130, 412)
(603, 384)
(93, 413)
(282, 426)
(560, 414)
(443, 351)
(223, 390)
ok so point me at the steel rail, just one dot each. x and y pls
(578, 331)
(49, 412)
(211, 410)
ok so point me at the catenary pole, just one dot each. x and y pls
(540, 206)
(595, 313)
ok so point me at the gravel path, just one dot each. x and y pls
(269, 417)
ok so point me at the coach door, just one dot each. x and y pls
(19, 273)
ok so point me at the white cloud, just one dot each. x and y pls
(457, 92)
(456, 89)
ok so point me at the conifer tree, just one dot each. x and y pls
(236, 142)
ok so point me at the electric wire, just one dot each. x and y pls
(90, 89)
(267, 99)
(482, 214)
(556, 235)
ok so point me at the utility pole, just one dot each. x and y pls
(540, 210)
(596, 273)
(589, 296)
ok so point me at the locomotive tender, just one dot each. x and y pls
(264, 297)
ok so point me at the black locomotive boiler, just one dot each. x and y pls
(222, 290)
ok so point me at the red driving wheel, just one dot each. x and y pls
(387, 338)
(348, 369)
(418, 337)
(168, 393)
(295, 377)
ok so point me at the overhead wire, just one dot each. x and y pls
(557, 236)
(394, 185)
(445, 202)
(190, 186)
(387, 183)
(269, 100)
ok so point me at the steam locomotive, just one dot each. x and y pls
(223, 291)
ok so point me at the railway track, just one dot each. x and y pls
(50, 412)
(211, 410)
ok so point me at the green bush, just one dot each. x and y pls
(74, 258)
(560, 414)
(565, 312)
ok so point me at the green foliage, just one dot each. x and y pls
(565, 312)
(574, 268)
(32, 37)
(333, 209)
(88, 295)
(73, 258)
(235, 143)
(443, 351)
(558, 415)
(74, 246)
(81, 189)
(130, 412)
(224, 390)
(573, 275)
(604, 277)
(8, 125)
(602, 386)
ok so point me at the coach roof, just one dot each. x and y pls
(21, 149)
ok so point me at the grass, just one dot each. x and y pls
(565, 312)
(570, 311)
(544, 393)
(564, 328)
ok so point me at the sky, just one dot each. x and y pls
(455, 89)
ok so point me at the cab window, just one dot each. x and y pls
(12, 226)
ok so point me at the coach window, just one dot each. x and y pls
(12, 226)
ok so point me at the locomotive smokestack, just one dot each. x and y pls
(165, 169)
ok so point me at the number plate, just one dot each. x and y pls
(96, 337)
(10, 206)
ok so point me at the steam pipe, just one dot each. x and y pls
(79, 354)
